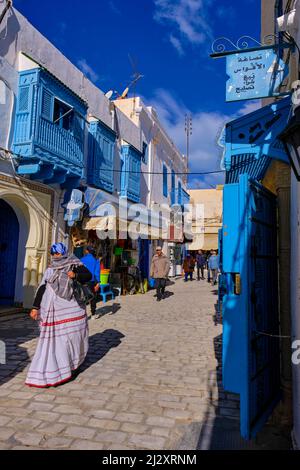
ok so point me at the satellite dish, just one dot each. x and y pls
(109, 94)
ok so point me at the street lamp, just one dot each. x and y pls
(290, 138)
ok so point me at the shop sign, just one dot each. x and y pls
(254, 74)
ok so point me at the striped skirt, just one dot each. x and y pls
(63, 341)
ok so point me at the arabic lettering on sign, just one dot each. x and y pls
(254, 75)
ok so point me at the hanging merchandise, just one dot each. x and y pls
(78, 237)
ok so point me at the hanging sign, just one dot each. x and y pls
(254, 74)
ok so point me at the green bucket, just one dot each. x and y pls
(104, 278)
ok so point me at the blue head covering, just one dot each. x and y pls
(58, 248)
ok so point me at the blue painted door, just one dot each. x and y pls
(144, 257)
(251, 355)
(9, 239)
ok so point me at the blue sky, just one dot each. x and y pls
(170, 42)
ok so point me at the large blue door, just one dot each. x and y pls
(251, 354)
(9, 239)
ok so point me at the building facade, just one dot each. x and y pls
(163, 179)
(206, 236)
(258, 249)
(66, 150)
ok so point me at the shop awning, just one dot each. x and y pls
(204, 242)
(99, 223)
(108, 223)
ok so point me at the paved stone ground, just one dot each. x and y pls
(152, 380)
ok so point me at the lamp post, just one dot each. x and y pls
(290, 138)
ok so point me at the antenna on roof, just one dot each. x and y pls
(136, 76)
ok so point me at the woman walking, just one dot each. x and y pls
(63, 341)
(188, 267)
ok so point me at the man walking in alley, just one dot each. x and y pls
(201, 261)
(159, 271)
(213, 265)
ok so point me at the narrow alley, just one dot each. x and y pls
(152, 380)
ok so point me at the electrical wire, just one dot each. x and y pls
(146, 172)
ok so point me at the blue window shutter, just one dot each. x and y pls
(173, 188)
(24, 99)
(46, 104)
(165, 181)
(179, 193)
(78, 127)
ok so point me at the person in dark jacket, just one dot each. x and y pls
(93, 265)
(201, 262)
(188, 267)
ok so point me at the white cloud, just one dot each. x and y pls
(249, 107)
(87, 70)
(205, 154)
(187, 17)
(177, 44)
(114, 8)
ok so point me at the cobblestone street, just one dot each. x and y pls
(152, 380)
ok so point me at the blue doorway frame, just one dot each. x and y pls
(251, 350)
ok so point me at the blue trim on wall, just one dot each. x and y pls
(165, 181)
(251, 141)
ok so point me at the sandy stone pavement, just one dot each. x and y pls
(152, 380)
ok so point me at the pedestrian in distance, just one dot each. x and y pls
(188, 267)
(209, 274)
(63, 341)
(93, 265)
(201, 262)
(159, 271)
(213, 265)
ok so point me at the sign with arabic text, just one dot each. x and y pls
(254, 74)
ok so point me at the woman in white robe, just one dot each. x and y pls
(63, 341)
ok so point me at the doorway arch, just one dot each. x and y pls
(9, 241)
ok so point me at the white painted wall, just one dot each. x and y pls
(18, 35)
(295, 299)
(161, 150)
(291, 24)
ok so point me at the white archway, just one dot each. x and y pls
(33, 210)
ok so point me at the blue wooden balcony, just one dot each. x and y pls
(101, 156)
(49, 130)
(130, 184)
